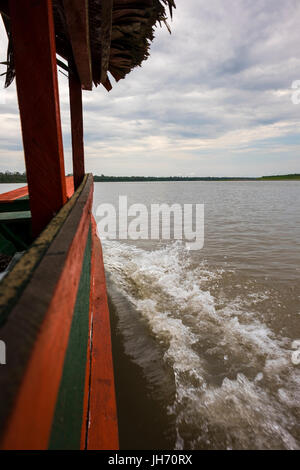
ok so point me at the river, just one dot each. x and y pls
(203, 340)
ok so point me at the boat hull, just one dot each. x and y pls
(57, 386)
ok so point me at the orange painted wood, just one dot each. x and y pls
(21, 192)
(76, 127)
(29, 425)
(103, 426)
(37, 87)
(15, 194)
(69, 186)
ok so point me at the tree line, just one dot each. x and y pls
(17, 177)
(12, 177)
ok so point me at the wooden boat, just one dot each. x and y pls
(57, 383)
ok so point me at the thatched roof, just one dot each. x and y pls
(100, 36)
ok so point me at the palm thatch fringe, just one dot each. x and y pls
(120, 34)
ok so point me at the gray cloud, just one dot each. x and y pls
(214, 98)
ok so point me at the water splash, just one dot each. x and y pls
(235, 385)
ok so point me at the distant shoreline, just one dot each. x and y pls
(21, 178)
(120, 179)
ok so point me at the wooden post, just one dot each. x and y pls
(77, 126)
(37, 86)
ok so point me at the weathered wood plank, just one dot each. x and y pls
(15, 281)
(68, 416)
(76, 12)
(105, 34)
(9, 216)
(42, 317)
(76, 128)
(36, 74)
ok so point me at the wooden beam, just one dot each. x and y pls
(77, 127)
(106, 30)
(36, 74)
(76, 12)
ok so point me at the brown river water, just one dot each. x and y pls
(203, 340)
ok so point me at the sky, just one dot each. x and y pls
(213, 99)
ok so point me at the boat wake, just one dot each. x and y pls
(235, 386)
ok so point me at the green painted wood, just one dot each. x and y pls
(12, 236)
(17, 205)
(67, 421)
(6, 246)
(9, 216)
(15, 282)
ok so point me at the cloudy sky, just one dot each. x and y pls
(214, 98)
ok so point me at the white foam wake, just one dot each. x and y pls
(236, 386)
